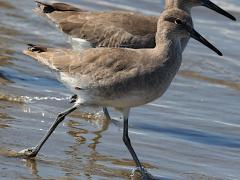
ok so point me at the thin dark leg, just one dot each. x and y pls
(73, 99)
(106, 113)
(32, 152)
(127, 142)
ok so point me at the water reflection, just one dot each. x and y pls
(7, 152)
(198, 76)
(32, 165)
(4, 80)
(6, 5)
(6, 56)
(12, 99)
(6, 53)
(92, 163)
(4, 118)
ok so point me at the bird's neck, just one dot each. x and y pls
(169, 48)
(164, 37)
(183, 5)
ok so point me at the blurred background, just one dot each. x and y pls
(192, 132)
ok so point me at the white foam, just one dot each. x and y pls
(228, 124)
(30, 99)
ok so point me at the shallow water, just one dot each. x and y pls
(192, 132)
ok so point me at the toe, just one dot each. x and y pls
(27, 153)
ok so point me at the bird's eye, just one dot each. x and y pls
(178, 21)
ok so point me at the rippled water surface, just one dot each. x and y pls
(192, 132)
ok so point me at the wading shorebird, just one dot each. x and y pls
(114, 29)
(121, 78)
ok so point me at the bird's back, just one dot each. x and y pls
(101, 29)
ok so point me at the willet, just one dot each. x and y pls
(114, 29)
(121, 78)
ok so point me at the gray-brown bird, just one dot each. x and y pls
(121, 78)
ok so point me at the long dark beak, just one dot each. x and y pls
(194, 34)
(216, 8)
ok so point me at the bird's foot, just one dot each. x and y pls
(144, 173)
(28, 153)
